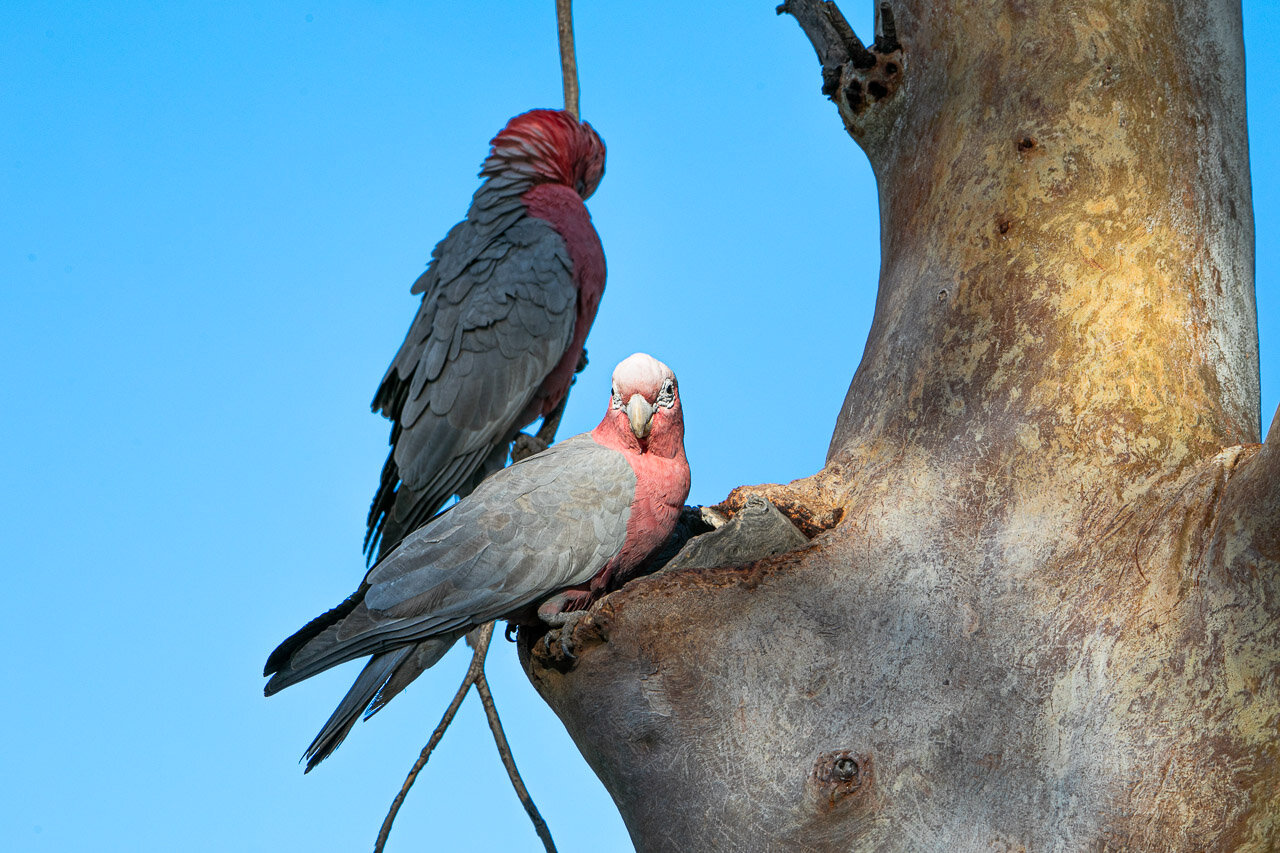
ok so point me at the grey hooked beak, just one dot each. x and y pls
(640, 413)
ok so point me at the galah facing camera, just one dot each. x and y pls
(557, 530)
(507, 301)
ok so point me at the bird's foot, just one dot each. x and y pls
(564, 612)
(525, 446)
(560, 640)
(582, 361)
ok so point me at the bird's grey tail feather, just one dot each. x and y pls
(368, 683)
(381, 679)
(425, 655)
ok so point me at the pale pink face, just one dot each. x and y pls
(646, 401)
(549, 145)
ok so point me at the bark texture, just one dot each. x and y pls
(1041, 606)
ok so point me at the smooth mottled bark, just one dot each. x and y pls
(1041, 609)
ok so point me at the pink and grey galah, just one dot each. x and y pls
(543, 536)
(507, 301)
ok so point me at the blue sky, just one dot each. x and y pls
(210, 215)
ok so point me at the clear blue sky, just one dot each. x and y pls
(210, 215)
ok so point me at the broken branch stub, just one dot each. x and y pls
(856, 78)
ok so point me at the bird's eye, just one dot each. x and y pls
(667, 396)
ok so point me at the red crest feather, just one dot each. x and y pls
(548, 145)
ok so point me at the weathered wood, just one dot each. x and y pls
(1045, 610)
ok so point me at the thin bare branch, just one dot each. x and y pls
(568, 62)
(474, 671)
(504, 750)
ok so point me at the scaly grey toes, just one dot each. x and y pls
(559, 639)
(568, 622)
(525, 446)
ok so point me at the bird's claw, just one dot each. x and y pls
(582, 361)
(559, 639)
(563, 612)
(525, 446)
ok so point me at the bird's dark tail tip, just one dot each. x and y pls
(279, 659)
(362, 693)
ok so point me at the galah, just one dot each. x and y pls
(507, 301)
(556, 529)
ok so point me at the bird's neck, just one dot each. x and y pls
(500, 189)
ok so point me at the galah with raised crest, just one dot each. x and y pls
(507, 301)
(545, 535)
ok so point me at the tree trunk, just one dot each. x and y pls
(1042, 608)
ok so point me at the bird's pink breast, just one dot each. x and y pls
(563, 209)
(662, 485)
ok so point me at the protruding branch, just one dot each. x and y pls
(852, 76)
(474, 671)
(858, 53)
(509, 762)
(568, 62)
(888, 40)
(829, 33)
(475, 675)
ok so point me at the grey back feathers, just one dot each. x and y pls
(498, 311)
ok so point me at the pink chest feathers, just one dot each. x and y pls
(662, 485)
(563, 209)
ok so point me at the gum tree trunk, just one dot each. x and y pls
(1041, 609)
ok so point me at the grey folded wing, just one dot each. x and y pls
(488, 333)
(552, 521)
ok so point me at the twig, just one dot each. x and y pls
(568, 63)
(504, 750)
(474, 672)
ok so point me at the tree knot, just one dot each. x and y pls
(839, 775)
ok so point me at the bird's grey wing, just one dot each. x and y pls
(482, 344)
(549, 522)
